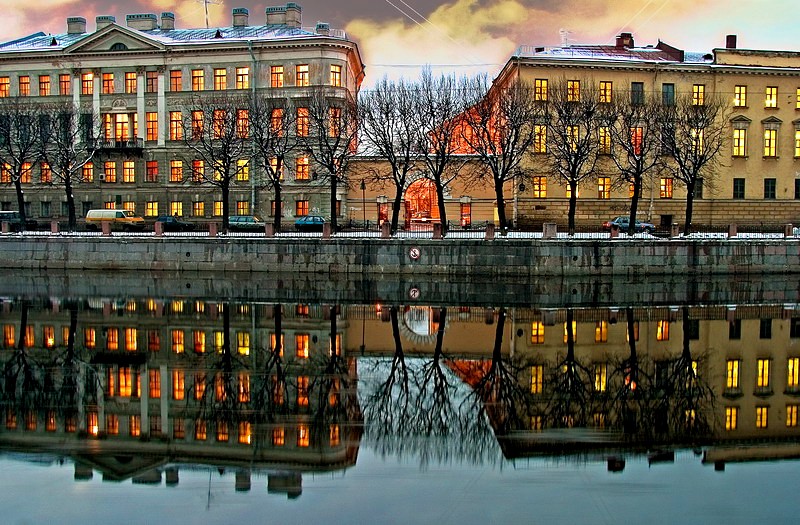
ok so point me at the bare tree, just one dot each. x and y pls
(499, 130)
(67, 146)
(330, 134)
(439, 104)
(694, 132)
(216, 134)
(389, 128)
(631, 137)
(20, 137)
(570, 120)
(272, 124)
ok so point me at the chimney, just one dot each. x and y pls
(240, 16)
(167, 21)
(730, 41)
(142, 22)
(276, 15)
(103, 21)
(293, 15)
(625, 40)
(76, 25)
(323, 28)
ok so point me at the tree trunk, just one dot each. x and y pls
(72, 217)
(334, 188)
(398, 199)
(442, 207)
(225, 187)
(276, 220)
(573, 205)
(687, 225)
(501, 205)
(20, 204)
(637, 188)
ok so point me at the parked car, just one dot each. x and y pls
(245, 223)
(623, 224)
(309, 223)
(119, 219)
(15, 221)
(174, 224)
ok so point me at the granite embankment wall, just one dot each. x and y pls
(444, 258)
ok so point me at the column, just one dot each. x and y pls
(162, 108)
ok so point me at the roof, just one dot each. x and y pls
(659, 53)
(40, 41)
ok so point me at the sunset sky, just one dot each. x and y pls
(396, 36)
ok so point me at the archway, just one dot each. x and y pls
(421, 204)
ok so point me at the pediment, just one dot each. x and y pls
(114, 39)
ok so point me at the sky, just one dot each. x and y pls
(396, 37)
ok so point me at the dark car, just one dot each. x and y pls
(309, 223)
(245, 223)
(15, 221)
(623, 224)
(174, 224)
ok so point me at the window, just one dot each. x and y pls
(735, 329)
(242, 78)
(539, 138)
(761, 417)
(637, 93)
(771, 97)
(276, 76)
(666, 187)
(794, 327)
(465, 213)
(218, 123)
(739, 142)
(336, 76)
(302, 122)
(668, 94)
(769, 188)
(154, 383)
(797, 143)
(243, 343)
(604, 187)
(175, 125)
(662, 331)
(198, 170)
(152, 171)
(303, 437)
(731, 418)
(175, 80)
(573, 135)
(301, 171)
(176, 171)
(637, 137)
(130, 82)
(770, 142)
(301, 75)
(762, 371)
(151, 125)
(217, 209)
(604, 134)
(537, 379)
(110, 169)
(112, 339)
(5, 87)
(301, 345)
(574, 332)
(334, 122)
(738, 188)
(198, 209)
(301, 208)
(64, 84)
(740, 96)
(107, 83)
(176, 208)
(537, 332)
(573, 90)
(765, 329)
(26, 173)
(605, 94)
(151, 209)
(732, 374)
(600, 377)
(220, 79)
(539, 187)
(540, 89)
(151, 81)
(198, 80)
(24, 86)
(177, 341)
(601, 332)
(791, 415)
(797, 99)
(242, 123)
(44, 85)
(698, 94)
(128, 171)
(242, 172)
(242, 207)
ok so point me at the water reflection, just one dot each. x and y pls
(142, 388)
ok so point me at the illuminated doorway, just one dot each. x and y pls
(421, 204)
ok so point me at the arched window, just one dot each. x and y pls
(119, 46)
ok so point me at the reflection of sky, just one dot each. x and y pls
(391, 491)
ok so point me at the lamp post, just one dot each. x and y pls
(364, 203)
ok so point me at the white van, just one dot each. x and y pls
(119, 219)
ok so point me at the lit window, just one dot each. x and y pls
(26, 173)
(220, 79)
(301, 75)
(243, 387)
(739, 142)
(242, 78)
(151, 125)
(600, 377)
(198, 80)
(604, 134)
(465, 214)
(175, 125)
(771, 97)
(740, 96)
(731, 418)
(64, 84)
(50, 422)
(178, 384)
(601, 332)
(336, 76)
(276, 76)
(175, 80)
(176, 171)
(154, 383)
(197, 125)
(217, 209)
(537, 332)
(537, 379)
(130, 339)
(301, 345)
(334, 122)
(605, 94)
(762, 377)
(44, 85)
(125, 381)
(303, 122)
(732, 374)
(301, 208)
(222, 431)
(151, 209)
(89, 337)
(245, 432)
(24, 86)
(797, 143)
(573, 90)
(5, 87)
(218, 123)
(539, 138)
(604, 187)
(303, 435)
(112, 339)
(128, 171)
(791, 415)
(302, 391)
(242, 123)
(177, 341)
(278, 437)
(662, 331)
(178, 430)
(242, 171)
(176, 208)
(334, 439)
(302, 169)
(243, 343)
(200, 430)
(698, 94)
(637, 136)
(151, 81)
(130, 82)
(573, 136)
(574, 332)
(793, 373)
(770, 142)
(107, 83)
(540, 89)
(539, 184)
(666, 187)
(199, 209)
(761, 416)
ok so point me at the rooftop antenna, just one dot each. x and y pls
(564, 35)
(205, 6)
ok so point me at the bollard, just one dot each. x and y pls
(674, 231)
(159, 229)
(106, 228)
(385, 230)
(549, 230)
(788, 230)
(269, 230)
(213, 229)
(490, 232)
(326, 230)
(614, 233)
(5, 227)
(53, 226)
(437, 230)
(731, 230)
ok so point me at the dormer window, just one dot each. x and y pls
(119, 46)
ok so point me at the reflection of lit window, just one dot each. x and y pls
(178, 383)
(273, 341)
(600, 377)
(731, 418)
(761, 417)
(200, 430)
(125, 385)
(537, 332)
(301, 345)
(244, 432)
(277, 391)
(89, 338)
(154, 383)
(601, 332)
(244, 387)
(302, 391)
(537, 379)
(762, 379)
(199, 385)
(662, 331)
(574, 332)
(243, 343)
(199, 341)
(303, 437)
(177, 341)
(336, 348)
(112, 424)
(9, 338)
(49, 336)
(30, 421)
(791, 415)
(112, 339)
(222, 431)
(153, 341)
(334, 436)
(220, 390)
(278, 436)
(599, 420)
(178, 430)
(130, 339)
(732, 373)
(50, 423)
(333, 394)
(92, 425)
(11, 419)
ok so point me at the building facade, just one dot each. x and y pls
(137, 81)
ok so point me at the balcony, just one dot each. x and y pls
(134, 146)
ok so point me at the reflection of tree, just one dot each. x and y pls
(270, 385)
(22, 382)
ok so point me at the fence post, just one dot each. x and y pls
(549, 230)
(5, 227)
(731, 230)
(788, 230)
(326, 230)
(106, 228)
(53, 226)
(490, 231)
(674, 230)
(385, 231)
(269, 230)
(213, 229)
(614, 232)
(437, 230)
(159, 229)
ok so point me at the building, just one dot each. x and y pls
(136, 79)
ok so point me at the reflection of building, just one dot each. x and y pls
(150, 385)
(137, 80)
